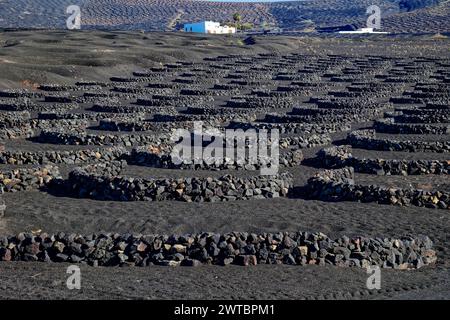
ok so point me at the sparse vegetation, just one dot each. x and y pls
(237, 18)
(246, 26)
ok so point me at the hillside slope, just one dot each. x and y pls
(401, 15)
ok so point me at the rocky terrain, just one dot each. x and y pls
(86, 175)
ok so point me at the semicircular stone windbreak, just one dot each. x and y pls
(24, 104)
(418, 116)
(258, 102)
(21, 131)
(91, 116)
(162, 156)
(220, 118)
(20, 120)
(102, 107)
(393, 125)
(134, 92)
(364, 114)
(23, 179)
(238, 248)
(8, 119)
(55, 87)
(64, 124)
(220, 111)
(174, 101)
(424, 95)
(81, 137)
(304, 141)
(343, 103)
(20, 93)
(341, 156)
(79, 156)
(339, 185)
(104, 182)
(429, 108)
(15, 125)
(292, 128)
(134, 125)
(326, 118)
(367, 139)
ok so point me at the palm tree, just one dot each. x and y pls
(237, 19)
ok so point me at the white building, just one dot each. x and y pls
(208, 27)
(363, 30)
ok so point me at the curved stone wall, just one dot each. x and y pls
(238, 248)
(162, 158)
(292, 128)
(389, 125)
(102, 182)
(27, 178)
(340, 156)
(339, 185)
(80, 137)
(366, 139)
(64, 157)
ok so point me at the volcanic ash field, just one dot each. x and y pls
(87, 177)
